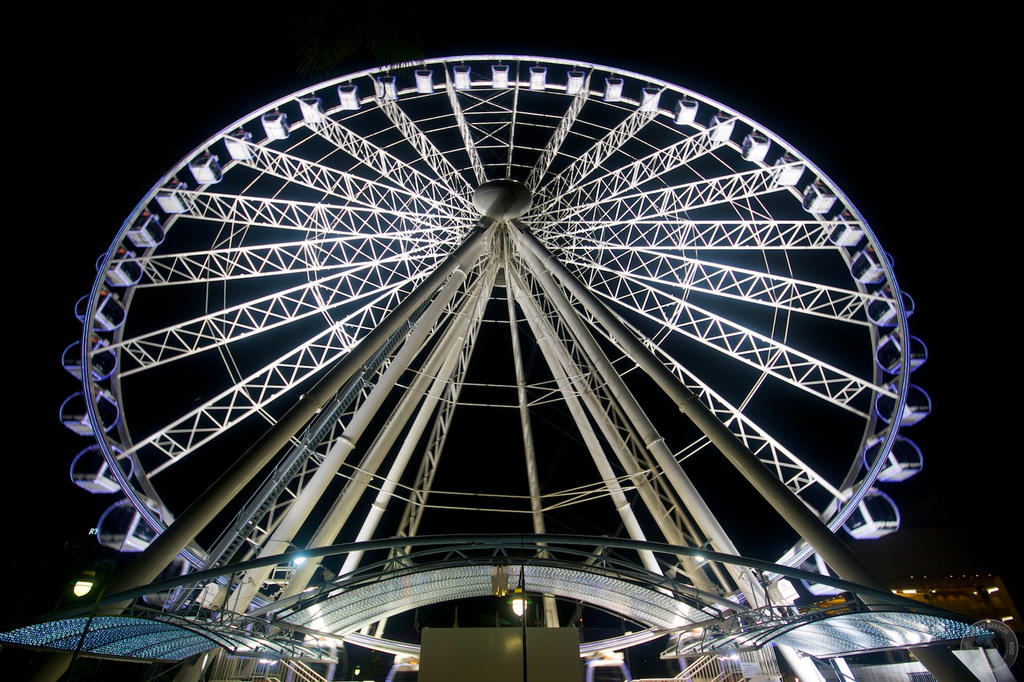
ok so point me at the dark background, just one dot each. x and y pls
(902, 109)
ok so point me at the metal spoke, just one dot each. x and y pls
(635, 174)
(313, 255)
(467, 136)
(397, 172)
(253, 393)
(745, 345)
(569, 179)
(693, 274)
(307, 216)
(426, 149)
(558, 136)
(671, 235)
(262, 314)
(663, 202)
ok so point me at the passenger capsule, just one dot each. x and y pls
(903, 461)
(91, 471)
(538, 78)
(613, 89)
(146, 232)
(818, 199)
(865, 267)
(499, 76)
(205, 168)
(917, 406)
(312, 110)
(124, 270)
(387, 88)
(239, 145)
(102, 359)
(172, 198)
(348, 96)
(686, 111)
(755, 147)
(74, 413)
(275, 125)
(876, 516)
(575, 80)
(109, 313)
(722, 125)
(424, 81)
(121, 527)
(790, 171)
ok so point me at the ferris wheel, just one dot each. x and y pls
(269, 252)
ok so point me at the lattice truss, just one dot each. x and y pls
(316, 231)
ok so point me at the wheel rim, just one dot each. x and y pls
(599, 173)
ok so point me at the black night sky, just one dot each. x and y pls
(895, 106)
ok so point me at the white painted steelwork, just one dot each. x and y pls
(709, 235)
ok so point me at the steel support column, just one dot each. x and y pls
(940, 661)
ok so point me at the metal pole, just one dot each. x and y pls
(529, 453)
(940, 661)
(672, 534)
(342, 507)
(304, 503)
(622, 505)
(451, 349)
(654, 442)
(185, 528)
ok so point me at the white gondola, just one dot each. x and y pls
(890, 359)
(75, 416)
(722, 125)
(918, 353)
(275, 125)
(882, 312)
(903, 461)
(865, 267)
(109, 313)
(606, 666)
(755, 147)
(238, 145)
(889, 355)
(613, 89)
(121, 527)
(424, 81)
(538, 77)
(405, 669)
(205, 168)
(348, 96)
(104, 360)
(846, 230)
(499, 76)
(650, 100)
(876, 516)
(917, 406)
(387, 88)
(172, 198)
(686, 111)
(147, 231)
(790, 171)
(124, 270)
(312, 109)
(462, 79)
(91, 471)
(818, 199)
(576, 79)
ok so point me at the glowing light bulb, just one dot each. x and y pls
(82, 588)
(519, 607)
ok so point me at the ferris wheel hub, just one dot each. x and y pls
(502, 199)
